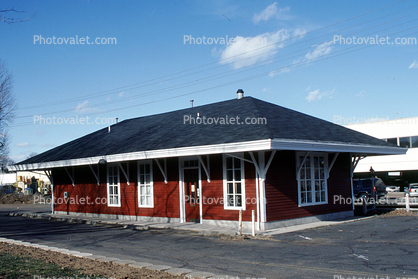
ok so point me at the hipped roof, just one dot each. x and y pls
(169, 135)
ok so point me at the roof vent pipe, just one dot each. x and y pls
(116, 120)
(191, 103)
(240, 93)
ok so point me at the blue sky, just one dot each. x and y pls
(290, 53)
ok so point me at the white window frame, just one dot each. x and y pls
(151, 185)
(312, 179)
(242, 181)
(116, 186)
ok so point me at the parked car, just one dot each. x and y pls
(413, 189)
(363, 187)
(402, 184)
(392, 188)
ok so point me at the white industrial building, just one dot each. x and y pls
(393, 169)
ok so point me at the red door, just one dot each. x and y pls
(191, 192)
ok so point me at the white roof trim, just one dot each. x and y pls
(268, 144)
(299, 145)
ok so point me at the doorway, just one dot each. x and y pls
(192, 195)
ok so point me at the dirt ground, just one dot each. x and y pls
(15, 198)
(90, 267)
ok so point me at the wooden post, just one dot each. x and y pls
(253, 222)
(240, 223)
(407, 202)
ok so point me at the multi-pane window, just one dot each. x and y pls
(312, 180)
(113, 186)
(407, 142)
(414, 141)
(234, 183)
(145, 187)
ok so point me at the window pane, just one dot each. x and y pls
(115, 190)
(323, 195)
(237, 163)
(147, 168)
(303, 197)
(142, 200)
(309, 197)
(414, 141)
(229, 176)
(230, 188)
(142, 192)
(308, 173)
(110, 190)
(229, 163)
(317, 197)
(238, 188)
(238, 201)
(230, 200)
(148, 200)
(317, 185)
(302, 186)
(322, 185)
(302, 173)
(405, 142)
(237, 174)
(321, 174)
(308, 186)
(148, 179)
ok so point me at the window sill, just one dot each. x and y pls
(313, 204)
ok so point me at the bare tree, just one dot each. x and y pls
(4, 153)
(7, 106)
(5, 16)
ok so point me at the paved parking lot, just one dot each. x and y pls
(382, 247)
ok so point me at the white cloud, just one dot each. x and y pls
(314, 95)
(320, 51)
(23, 144)
(247, 51)
(84, 107)
(121, 94)
(271, 11)
(413, 65)
(318, 95)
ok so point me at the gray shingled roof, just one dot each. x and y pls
(167, 130)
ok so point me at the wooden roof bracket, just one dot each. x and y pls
(261, 167)
(332, 163)
(125, 173)
(302, 163)
(96, 174)
(205, 166)
(163, 171)
(70, 175)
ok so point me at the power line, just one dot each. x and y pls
(231, 72)
(127, 87)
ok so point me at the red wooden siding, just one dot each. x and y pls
(213, 191)
(282, 191)
(166, 196)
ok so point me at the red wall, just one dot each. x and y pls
(166, 196)
(282, 191)
(214, 189)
